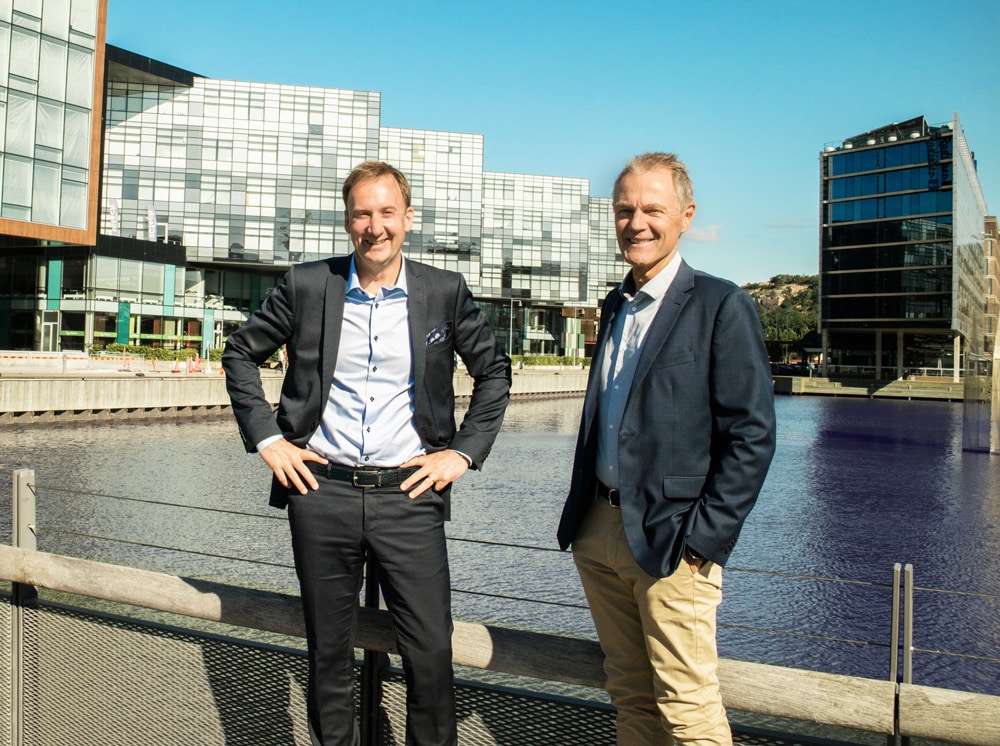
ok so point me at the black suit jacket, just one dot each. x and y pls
(698, 431)
(306, 312)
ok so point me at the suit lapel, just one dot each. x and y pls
(608, 310)
(333, 315)
(417, 315)
(664, 321)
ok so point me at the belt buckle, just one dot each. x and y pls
(376, 473)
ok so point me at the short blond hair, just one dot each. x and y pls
(650, 161)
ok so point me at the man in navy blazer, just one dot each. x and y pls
(675, 441)
(364, 447)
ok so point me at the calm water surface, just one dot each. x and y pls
(856, 486)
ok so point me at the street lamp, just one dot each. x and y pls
(510, 330)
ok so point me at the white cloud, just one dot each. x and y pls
(703, 235)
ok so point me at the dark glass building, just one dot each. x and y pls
(901, 252)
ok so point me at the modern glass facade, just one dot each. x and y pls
(49, 115)
(445, 171)
(210, 189)
(901, 253)
(235, 172)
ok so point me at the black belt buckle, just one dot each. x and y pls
(612, 497)
(375, 474)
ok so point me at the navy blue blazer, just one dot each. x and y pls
(698, 431)
(306, 312)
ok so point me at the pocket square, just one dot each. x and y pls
(439, 333)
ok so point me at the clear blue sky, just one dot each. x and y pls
(746, 93)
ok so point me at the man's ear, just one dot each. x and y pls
(688, 215)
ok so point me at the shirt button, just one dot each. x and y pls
(371, 398)
(374, 368)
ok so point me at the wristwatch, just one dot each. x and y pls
(694, 555)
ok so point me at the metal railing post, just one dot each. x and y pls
(894, 648)
(372, 669)
(907, 632)
(23, 536)
(894, 630)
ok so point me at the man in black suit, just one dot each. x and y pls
(364, 447)
(675, 440)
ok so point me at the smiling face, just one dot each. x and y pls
(649, 220)
(377, 220)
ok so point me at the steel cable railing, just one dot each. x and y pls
(56, 530)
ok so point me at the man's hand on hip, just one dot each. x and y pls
(437, 470)
(288, 462)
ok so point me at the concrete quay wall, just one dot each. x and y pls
(939, 389)
(56, 397)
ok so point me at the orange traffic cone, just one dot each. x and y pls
(177, 365)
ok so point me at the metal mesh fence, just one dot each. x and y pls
(5, 659)
(97, 680)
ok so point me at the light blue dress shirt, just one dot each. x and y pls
(620, 354)
(368, 418)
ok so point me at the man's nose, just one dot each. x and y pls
(375, 225)
(638, 220)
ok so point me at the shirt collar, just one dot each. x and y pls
(656, 287)
(354, 284)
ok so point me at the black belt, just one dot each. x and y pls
(611, 496)
(370, 477)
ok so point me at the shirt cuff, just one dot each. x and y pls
(268, 441)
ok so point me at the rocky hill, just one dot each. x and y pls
(788, 306)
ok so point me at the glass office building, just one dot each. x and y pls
(51, 66)
(210, 189)
(901, 251)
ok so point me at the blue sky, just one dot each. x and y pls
(746, 93)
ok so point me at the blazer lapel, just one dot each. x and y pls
(417, 314)
(663, 323)
(333, 315)
(610, 307)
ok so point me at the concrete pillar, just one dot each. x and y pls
(956, 369)
(900, 369)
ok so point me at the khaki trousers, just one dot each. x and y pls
(658, 638)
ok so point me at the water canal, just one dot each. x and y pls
(856, 486)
